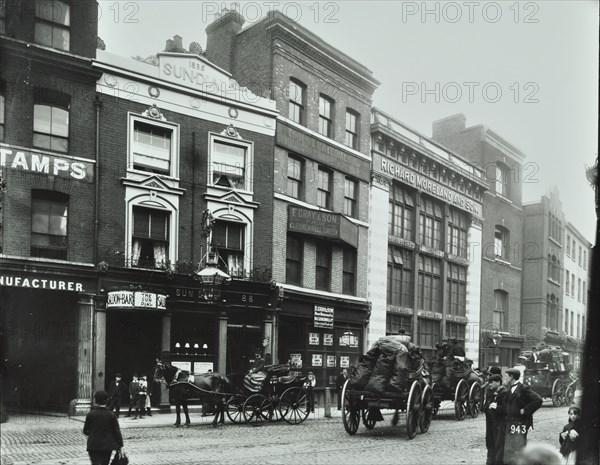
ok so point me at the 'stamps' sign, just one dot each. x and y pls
(136, 299)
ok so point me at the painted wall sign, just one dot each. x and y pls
(323, 317)
(136, 299)
(39, 283)
(322, 224)
(45, 163)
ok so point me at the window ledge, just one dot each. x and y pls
(507, 200)
(550, 238)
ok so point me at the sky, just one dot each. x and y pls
(527, 70)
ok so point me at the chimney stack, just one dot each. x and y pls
(221, 38)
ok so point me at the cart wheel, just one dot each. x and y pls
(426, 410)
(294, 406)
(413, 409)
(461, 399)
(276, 416)
(369, 424)
(350, 414)
(475, 399)
(569, 396)
(257, 409)
(557, 398)
(235, 410)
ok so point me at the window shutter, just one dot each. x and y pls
(141, 223)
(158, 226)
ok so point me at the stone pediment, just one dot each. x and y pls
(230, 197)
(152, 182)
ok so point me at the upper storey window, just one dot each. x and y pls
(297, 96)
(229, 159)
(51, 120)
(52, 24)
(325, 116)
(352, 129)
(502, 180)
(153, 146)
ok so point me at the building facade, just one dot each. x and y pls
(503, 246)
(425, 230)
(48, 162)
(320, 181)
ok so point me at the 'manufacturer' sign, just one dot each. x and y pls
(323, 317)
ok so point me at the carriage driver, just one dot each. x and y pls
(259, 362)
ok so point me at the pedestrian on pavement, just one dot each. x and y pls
(569, 438)
(311, 382)
(142, 396)
(495, 420)
(134, 397)
(103, 432)
(339, 383)
(116, 391)
(521, 403)
(147, 401)
(134, 379)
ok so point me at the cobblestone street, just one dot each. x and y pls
(47, 440)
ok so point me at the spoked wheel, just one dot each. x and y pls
(257, 409)
(461, 398)
(276, 411)
(475, 399)
(350, 414)
(369, 424)
(426, 409)
(294, 406)
(557, 394)
(413, 410)
(569, 396)
(235, 410)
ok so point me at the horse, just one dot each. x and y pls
(209, 387)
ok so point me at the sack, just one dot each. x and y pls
(120, 458)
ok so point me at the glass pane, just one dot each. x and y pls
(61, 38)
(60, 144)
(42, 116)
(41, 140)
(60, 122)
(1, 109)
(43, 34)
(39, 222)
(58, 225)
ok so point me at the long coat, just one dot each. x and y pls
(102, 429)
(523, 398)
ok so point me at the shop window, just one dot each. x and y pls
(429, 285)
(294, 177)
(150, 240)
(153, 146)
(500, 309)
(395, 323)
(458, 225)
(324, 184)
(326, 108)
(49, 215)
(349, 272)
(293, 261)
(401, 213)
(501, 241)
(352, 119)
(228, 240)
(456, 289)
(323, 267)
(350, 197)
(297, 101)
(51, 120)
(228, 164)
(430, 224)
(399, 277)
(52, 24)
(502, 179)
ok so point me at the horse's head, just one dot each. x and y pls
(164, 373)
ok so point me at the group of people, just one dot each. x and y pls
(509, 410)
(139, 391)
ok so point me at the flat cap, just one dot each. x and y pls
(495, 378)
(516, 374)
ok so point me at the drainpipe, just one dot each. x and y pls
(98, 105)
(192, 229)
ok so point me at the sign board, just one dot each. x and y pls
(38, 282)
(203, 367)
(296, 360)
(323, 317)
(187, 366)
(344, 361)
(331, 361)
(317, 360)
(327, 339)
(313, 339)
(322, 224)
(136, 299)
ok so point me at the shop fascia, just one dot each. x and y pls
(133, 299)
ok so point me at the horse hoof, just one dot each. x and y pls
(176, 425)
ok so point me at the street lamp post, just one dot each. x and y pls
(496, 337)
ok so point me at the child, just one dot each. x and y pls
(569, 438)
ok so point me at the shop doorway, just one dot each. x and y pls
(242, 341)
(133, 341)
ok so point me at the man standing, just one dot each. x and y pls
(339, 383)
(495, 420)
(116, 391)
(521, 403)
(102, 428)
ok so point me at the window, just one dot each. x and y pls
(325, 116)
(573, 250)
(293, 261)
(457, 233)
(579, 289)
(2, 103)
(324, 180)
(567, 287)
(49, 214)
(502, 179)
(430, 224)
(349, 272)
(51, 120)
(394, 323)
(501, 241)
(554, 229)
(553, 268)
(350, 195)
(52, 23)
(429, 334)
(150, 241)
(583, 328)
(323, 269)
(297, 92)
(585, 259)
(3, 17)
(568, 246)
(552, 313)
(578, 326)
(583, 292)
(500, 309)
(352, 129)
(294, 177)
(429, 285)
(572, 285)
(456, 289)
(399, 277)
(229, 165)
(401, 213)
(151, 147)
(572, 333)
(579, 256)
(228, 239)
(456, 330)
(567, 321)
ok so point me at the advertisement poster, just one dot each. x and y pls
(295, 360)
(344, 361)
(203, 367)
(313, 339)
(327, 339)
(187, 366)
(330, 361)
(317, 360)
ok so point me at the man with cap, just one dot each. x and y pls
(495, 419)
(116, 391)
(454, 350)
(521, 403)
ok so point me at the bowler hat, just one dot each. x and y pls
(495, 378)
(516, 374)
(495, 370)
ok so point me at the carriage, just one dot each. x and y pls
(412, 396)
(455, 380)
(548, 374)
(280, 396)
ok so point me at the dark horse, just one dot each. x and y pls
(212, 388)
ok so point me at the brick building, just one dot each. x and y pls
(321, 183)
(48, 160)
(425, 235)
(502, 246)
